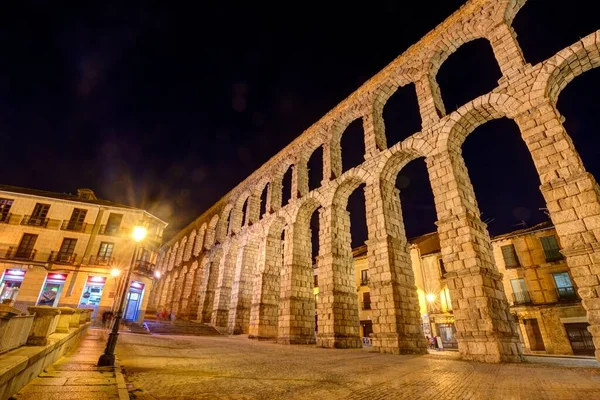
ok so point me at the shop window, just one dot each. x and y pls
(10, 284)
(53, 287)
(92, 292)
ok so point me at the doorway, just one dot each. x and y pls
(133, 301)
(536, 343)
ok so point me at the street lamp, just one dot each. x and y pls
(108, 358)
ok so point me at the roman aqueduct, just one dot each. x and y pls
(253, 274)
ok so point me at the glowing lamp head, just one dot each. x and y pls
(430, 297)
(157, 274)
(139, 233)
(115, 272)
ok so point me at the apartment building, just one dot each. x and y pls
(74, 250)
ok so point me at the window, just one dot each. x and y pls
(5, 205)
(551, 248)
(364, 277)
(366, 301)
(520, 293)
(510, 256)
(443, 271)
(38, 216)
(105, 250)
(316, 280)
(77, 218)
(25, 249)
(65, 254)
(113, 224)
(564, 286)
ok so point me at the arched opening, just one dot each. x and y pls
(416, 198)
(245, 217)
(468, 73)
(546, 27)
(504, 178)
(353, 145)
(315, 169)
(263, 201)
(578, 104)
(401, 115)
(286, 187)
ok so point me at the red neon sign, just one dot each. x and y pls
(97, 279)
(57, 277)
(15, 272)
(137, 285)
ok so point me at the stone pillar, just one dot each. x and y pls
(44, 324)
(275, 194)
(485, 331)
(395, 306)
(374, 129)
(64, 320)
(236, 219)
(253, 209)
(296, 320)
(506, 50)
(207, 293)
(430, 101)
(83, 316)
(241, 294)
(338, 303)
(265, 293)
(573, 199)
(300, 178)
(220, 315)
(194, 301)
(171, 290)
(183, 312)
(332, 153)
(178, 289)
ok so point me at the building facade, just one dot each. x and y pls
(66, 250)
(542, 296)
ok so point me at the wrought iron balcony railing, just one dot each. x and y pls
(567, 293)
(521, 297)
(68, 225)
(21, 254)
(366, 305)
(109, 230)
(62, 258)
(100, 260)
(144, 267)
(5, 218)
(32, 220)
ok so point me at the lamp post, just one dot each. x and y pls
(108, 358)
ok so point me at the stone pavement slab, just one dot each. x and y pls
(76, 376)
(234, 367)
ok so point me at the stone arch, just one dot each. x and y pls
(565, 66)
(276, 186)
(199, 243)
(463, 121)
(187, 254)
(511, 9)
(239, 214)
(186, 293)
(305, 158)
(338, 129)
(209, 239)
(348, 183)
(262, 190)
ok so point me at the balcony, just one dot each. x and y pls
(5, 218)
(521, 298)
(365, 305)
(68, 225)
(567, 293)
(21, 254)
(144, 267)
(62, 258)
(100, 260)
(33, 220)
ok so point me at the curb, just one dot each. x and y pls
(121, 385)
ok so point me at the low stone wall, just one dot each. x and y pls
(21, 366)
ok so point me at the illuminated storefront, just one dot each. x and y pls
(11, 283)
(92, 293)
(52, 290)
(134, 301)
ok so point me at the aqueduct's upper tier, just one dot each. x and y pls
(525, 93)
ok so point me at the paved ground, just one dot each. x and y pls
(180, 367)
(75, 376)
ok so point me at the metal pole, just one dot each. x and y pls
(108, 358)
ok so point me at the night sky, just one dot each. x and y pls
(167, 107)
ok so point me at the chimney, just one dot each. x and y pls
(86, 194)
